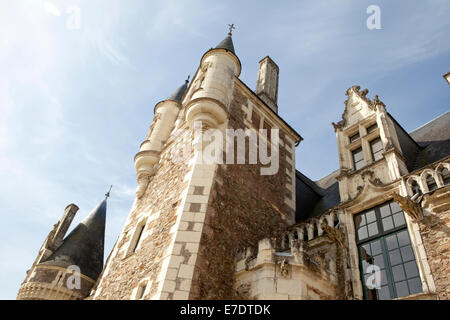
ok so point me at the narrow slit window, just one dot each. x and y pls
(138, 238)
(140, 292)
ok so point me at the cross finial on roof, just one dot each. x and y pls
(187, 80)
(107, 194)
(231, 27)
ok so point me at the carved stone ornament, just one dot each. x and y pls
(284, 267)
(334, 234)
(411, 208)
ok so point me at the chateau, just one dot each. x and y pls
(376, 228)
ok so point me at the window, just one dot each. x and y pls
(140, 291)
(268, 129)
(354, 137)
(376, 147)
(445, 174)
(358, 159)
(371, 128)
(431, 183)
(255, 120)
(383, 241)
(139, 232)
(415, 188)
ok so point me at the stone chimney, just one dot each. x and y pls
(267, 84)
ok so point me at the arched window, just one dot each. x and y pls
(305, 234)
(445, 174)
(415, 188)
(316, 231)
(336, 221)
(431, 183)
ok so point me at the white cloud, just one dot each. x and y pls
(51, 8)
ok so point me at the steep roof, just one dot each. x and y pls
(178, 94)
(226, 44)
(425, 145)
(84, 246)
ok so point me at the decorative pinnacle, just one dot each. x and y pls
(107, 194)
(187, 80)
(231, 27)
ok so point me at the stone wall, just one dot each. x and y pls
(435, 232)
(158, 209)
(244, 207)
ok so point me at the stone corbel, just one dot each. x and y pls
(411, 208)
(334, 234)
(143, 180)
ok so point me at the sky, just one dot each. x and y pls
(79, 81)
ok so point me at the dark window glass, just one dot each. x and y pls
(255, 120)
(376, 147)
(138, 239)
(358, 158)
(383, 241)
(354, 137)
(445, 176)
(372, 128)
(431, 183)
(415, 188)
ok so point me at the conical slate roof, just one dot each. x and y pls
(84, 246)
(178, 94)
(226, 44)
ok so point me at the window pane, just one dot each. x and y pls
(411, 269)
(383, 293)
(373, 229)
(358, 155)
(387, 223)
(402, 289)
(379, 261)
(376, 145)
(376, 247)
(399, 220)
(385, 210)
(354, 137)
(362, 233)
(398, 273)
(407, 253)
(359, 165)
(403, 238)
(372, 128)
(415, 285)
(391, 242)
(383, 277)
(377, 156)
(395, 207)
(360, 220)
(370, 216)
(394, 257)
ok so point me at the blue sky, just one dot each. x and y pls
(76, 103)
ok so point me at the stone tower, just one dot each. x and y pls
(68, 269)
(191, 217)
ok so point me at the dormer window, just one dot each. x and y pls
(371, 128)
(354, 137)
(376, 147)
(358, 159)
